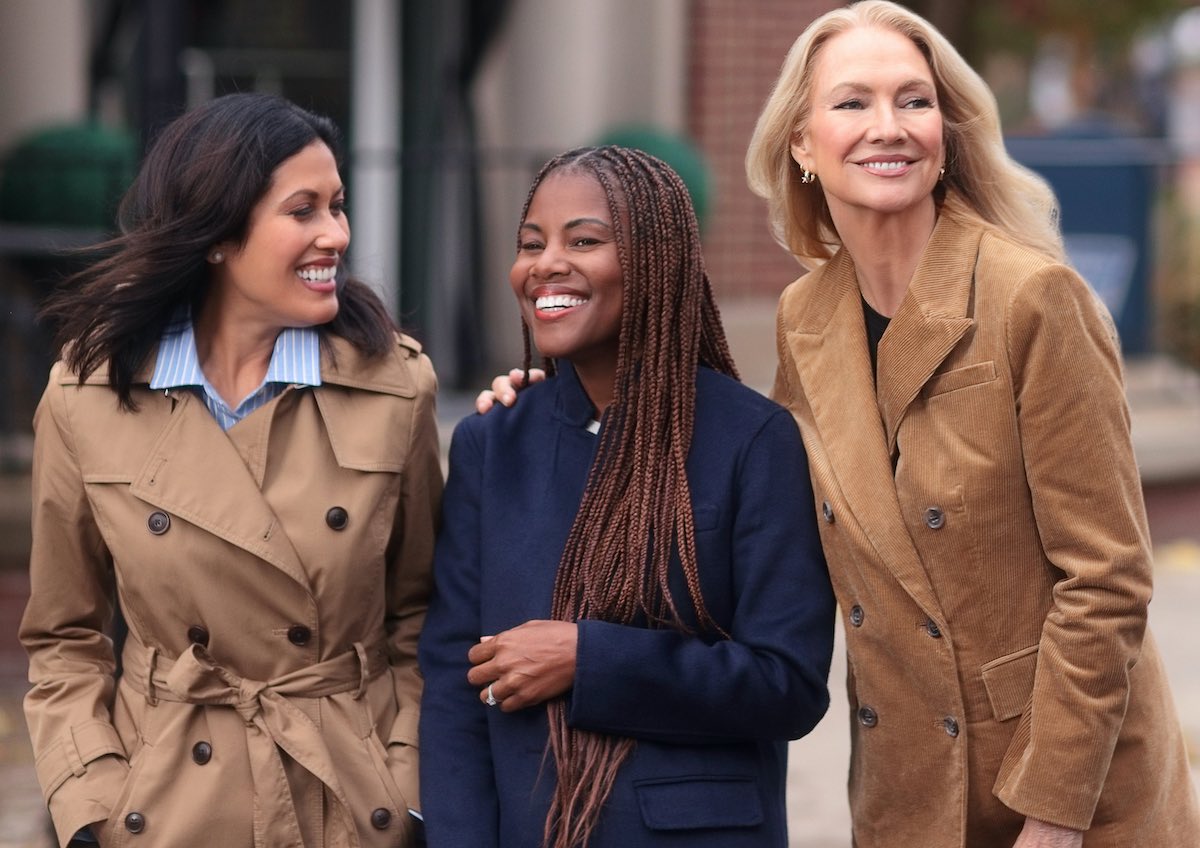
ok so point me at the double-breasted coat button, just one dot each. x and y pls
(932, 629)
(951, 725)
(158, 522)
(135, 822)
(381, 817)
(198, 634)
(857, 615)
(934, 518)
(201, 753)
(337, 518)
(867, 717)
(299, 635)
(827, 511)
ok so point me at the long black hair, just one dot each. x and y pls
(199, 182)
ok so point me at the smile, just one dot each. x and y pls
(317, 275)
(885, 167)
(556, 302)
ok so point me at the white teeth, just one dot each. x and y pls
(885, 166)
(558, 301)
(317, 275)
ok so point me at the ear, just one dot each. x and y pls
(800, 153)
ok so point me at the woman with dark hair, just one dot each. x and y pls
(240, 447)
(631, 613)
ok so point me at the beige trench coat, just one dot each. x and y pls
(982, 517)
(274, 580)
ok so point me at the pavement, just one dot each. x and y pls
(1165, 408)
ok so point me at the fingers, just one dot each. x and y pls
(485, 401)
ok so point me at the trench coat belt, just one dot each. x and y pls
(272, 722)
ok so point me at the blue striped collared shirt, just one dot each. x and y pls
(296, 360)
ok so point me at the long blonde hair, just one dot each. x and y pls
(982, 182)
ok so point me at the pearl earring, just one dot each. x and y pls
(216, 257)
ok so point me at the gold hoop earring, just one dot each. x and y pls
(807, 177)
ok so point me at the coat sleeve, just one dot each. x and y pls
(768, 679)
(459, 799)
(410, 556)
(80, 761)
(1087, 499)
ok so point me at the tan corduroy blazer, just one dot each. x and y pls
(274, 580)
(982, 516)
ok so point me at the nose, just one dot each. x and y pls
(887, 127)
(335, 233)
(550, 262)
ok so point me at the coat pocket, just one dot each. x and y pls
(960, 378)
(701, 802)
(1009, 680)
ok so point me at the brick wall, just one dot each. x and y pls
(736, 50)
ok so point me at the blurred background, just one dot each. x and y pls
(448, 109)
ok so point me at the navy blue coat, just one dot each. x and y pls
(710, 717)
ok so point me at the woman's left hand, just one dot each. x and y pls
(1040, 834)
(526, 665)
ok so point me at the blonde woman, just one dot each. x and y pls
(959, 391)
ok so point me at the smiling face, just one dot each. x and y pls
(567, 275)
(283, 275)
(874, 133)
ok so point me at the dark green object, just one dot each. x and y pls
(67, 176)
(677, 152)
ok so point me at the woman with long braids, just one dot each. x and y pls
(631, 611)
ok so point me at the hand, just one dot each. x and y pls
(526, 665)
(1040, 834)
(504, 388)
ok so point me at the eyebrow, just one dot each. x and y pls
(863, 88)
(308, 194)
(574, 222)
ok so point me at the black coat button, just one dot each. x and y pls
(827, 511)
(201, 753)
(198, 634)
(298, 634)
(951, 725)
(381, 818)
(857, 615)
(932, 629)
(135, 822)
(867, 717)
(934, 518)
(337, 518)
(158, 522)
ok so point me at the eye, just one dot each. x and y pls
(302, 212)
(586, 241)
(338, 207)
(852, 103)
(529, 245)
(918, 103)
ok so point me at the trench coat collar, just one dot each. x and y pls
(192, 469)
(828, 343)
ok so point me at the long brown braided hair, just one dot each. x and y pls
(636, 508)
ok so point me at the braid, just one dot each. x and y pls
(636, 509)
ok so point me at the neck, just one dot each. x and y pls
(598, 380)
(234, 356)
(886, 249)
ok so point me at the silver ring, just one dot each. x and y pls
(491, 698)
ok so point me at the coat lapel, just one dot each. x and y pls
(829, 347)
(931, 321)
(192, 458)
